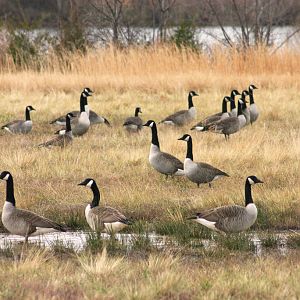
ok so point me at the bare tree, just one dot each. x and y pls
(255, 20)
(165, 7)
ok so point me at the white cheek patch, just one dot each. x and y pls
(86, 90)
(241, 101)
(6, 177)
(151, 125)
(90, 183)
(187, 139)
(250, 181)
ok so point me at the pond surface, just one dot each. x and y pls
(77, 241)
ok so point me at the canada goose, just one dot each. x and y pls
(198, 172)
(93, 116)
(64, 139)
(214, 118)
(134, 124)
(80, 124)
(182, 117)
(162, 162)
(254, 112)
(231, 218)
(20, 126)
(23, 222)
(229, 125)
(245, 109)
(102, 218)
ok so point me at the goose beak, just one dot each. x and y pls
(192, 218)
(145, 124)
(81, 183)
(259, 181)
(196, 94)
(180, 139)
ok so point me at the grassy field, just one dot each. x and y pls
(158, 81)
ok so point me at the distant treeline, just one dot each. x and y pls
(150, 13)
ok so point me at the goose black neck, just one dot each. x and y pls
(251, 97)
(232, 105)
(154, 140)
(10, 195)
(96, 193)
(189, 151)
(190, 100)
(68, 124)
(83, 103)
(27, 114)
(239, 108)
(224, 106)
(232, 96)
(136, 113)
(248, 194)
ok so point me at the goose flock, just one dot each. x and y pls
(226, 219)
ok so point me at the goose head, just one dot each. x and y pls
(193, 94)
(185, 137)
(70, 115)
(87, 92)
(5, 175)
(138, 110)
(149, 123)
(253, 180)
(29, 108)
(227, 99)
(88, 182)
(235, 93)
(252, 87)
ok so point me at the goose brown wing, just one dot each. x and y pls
(133, 121)
(221, 213)
(34, 220)
(13, 124)
(223, 124)
(63, 118)
(172, 159)
(214, 171)
(107, 214)
(174, 116)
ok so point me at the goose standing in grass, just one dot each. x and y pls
(183, 117)
(93, 116)
(23, 222)
(134, 124)
(254, 112)
(245, 109)
(198, 172)
(214, 118)
(64, 139)
(231, 218)
(80, 124)
(20, 126)
(162, 162)
(102, 218)
(229, 125)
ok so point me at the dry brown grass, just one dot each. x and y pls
(160, 276)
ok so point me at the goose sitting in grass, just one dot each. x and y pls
(134, 124)
(254, 112)
(23, 222)
(198, 172)
(20, 126)
(231, 218)
(182, 117)
(61, 140)
(162, 162)
(102, 218)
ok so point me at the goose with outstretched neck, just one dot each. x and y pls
(231, 218)
(198, 172)
(23, 222)
(162, 162)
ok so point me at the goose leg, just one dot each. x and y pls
(210, 185)
(198, 184)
